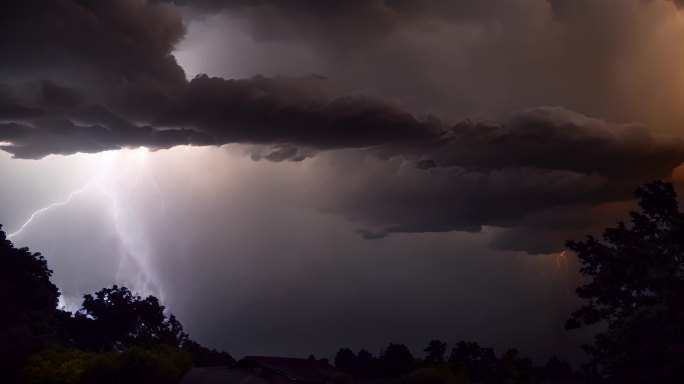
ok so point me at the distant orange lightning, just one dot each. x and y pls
(565, 260)
(564, 257)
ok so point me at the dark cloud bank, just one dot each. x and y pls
(89, 76)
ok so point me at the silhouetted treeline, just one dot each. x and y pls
(635, 289)
(467, 362)
(115, 337)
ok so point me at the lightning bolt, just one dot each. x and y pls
(43, 210)
(562, 256)
(133, 254)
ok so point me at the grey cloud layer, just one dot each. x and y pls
(210, 111)
(618, 60)
(545, 174)
(101, 75)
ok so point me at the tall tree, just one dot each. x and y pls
(28, 301)
(637, 291)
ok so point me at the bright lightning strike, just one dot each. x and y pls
(134, 258)
(135, 268)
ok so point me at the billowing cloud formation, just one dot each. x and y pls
(88, 76)
(215, 112)
(547, 175)
(618, 60)
(547, 168)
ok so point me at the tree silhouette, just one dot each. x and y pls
(435, 351)
(159, 364)
(395, 361)
(365, 364)
(345, 360)
(557, 369)
(116, 337)
(205, 357)
(637, 291)
(121, 318)
(512, 367)
(478, 362)
(28, 300)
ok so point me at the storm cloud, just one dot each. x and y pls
(335, 173)
(102, 75)
(543, 163)
(615, 60)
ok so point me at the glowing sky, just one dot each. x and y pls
(346, 174)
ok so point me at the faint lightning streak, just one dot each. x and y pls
(49, 207)
(562, 256)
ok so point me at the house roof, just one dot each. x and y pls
(298, 370)
(222, 375)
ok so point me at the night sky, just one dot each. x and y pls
(292, 177)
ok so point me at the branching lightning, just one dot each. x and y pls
(562, 256)
(135, 269)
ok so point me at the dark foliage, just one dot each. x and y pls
(435, 351)
(28, 300)
(366, 364)
(557, 370)
(116, 337)
(479, 363)
(468, 363)
(513, 367)
(395, 361)
(637, 292)
(121, 318)
(160, 364)
(345, 359)
(205, 357)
